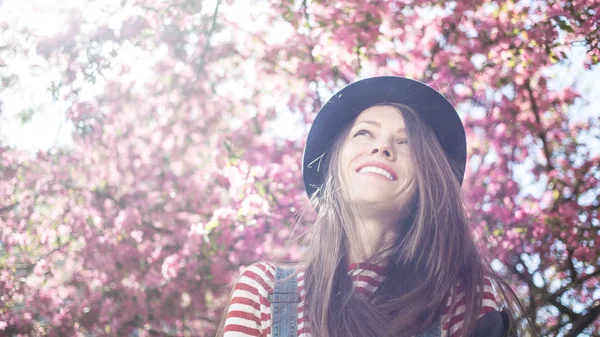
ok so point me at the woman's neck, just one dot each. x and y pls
(370, 238)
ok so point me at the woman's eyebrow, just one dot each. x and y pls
(377, 124)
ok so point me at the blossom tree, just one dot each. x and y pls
(177, 178)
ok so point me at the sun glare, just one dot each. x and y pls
(42, 17)
(46, 24)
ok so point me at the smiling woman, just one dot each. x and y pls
(391, 252)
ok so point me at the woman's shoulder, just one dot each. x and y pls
(486, 292)
(248, 303)
(489, 301)
(260, 276)
(453, 313)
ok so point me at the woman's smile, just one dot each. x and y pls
(378, 168)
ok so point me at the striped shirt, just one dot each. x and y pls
(249, 313)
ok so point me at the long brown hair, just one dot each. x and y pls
(433, 252)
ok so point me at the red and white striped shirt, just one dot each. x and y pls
(249, 313)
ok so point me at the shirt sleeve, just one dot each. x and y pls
(452, 321)
(246, 310)
(489, 303)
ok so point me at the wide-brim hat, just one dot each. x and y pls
(345, 105)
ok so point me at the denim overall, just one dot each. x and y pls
(284, 307)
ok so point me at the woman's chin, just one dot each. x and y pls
(379, 201)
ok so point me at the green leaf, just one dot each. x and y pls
(25, 115)
(520, 230)
(262, 190)
(564, 24)
(229, 149)
(211, 225)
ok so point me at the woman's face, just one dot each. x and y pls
(376, 167)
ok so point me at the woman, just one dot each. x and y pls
(390, 252)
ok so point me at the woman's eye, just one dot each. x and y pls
(362, 132)
(402, 141)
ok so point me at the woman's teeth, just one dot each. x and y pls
(377, 170)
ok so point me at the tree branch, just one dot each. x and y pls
(207, 42)
(312, 58)
(541, 133)
(543, 292)
(8, 208)
(571, 265)
(580, 324)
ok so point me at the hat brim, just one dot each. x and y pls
(343, 107)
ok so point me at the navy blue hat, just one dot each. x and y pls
(343, 107)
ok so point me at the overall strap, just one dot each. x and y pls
(284, 304)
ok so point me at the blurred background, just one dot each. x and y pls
(151, 150)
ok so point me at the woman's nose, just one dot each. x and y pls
(384, 148)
